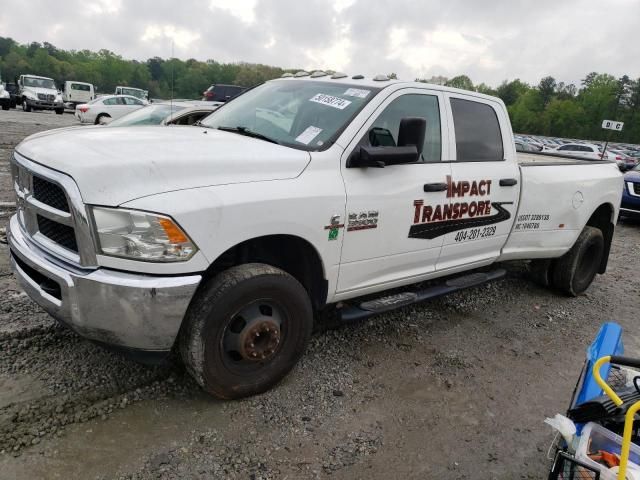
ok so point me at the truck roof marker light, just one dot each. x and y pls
(357, 77)
(174, 234)
(381, 78)
(338, 75)
(301, 73)
(287, 75)
(318, 74)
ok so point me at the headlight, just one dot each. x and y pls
(140, 236)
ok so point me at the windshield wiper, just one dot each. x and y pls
(249, 133)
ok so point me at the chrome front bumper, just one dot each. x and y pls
(139, 312)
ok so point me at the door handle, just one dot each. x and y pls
(508, 182)
(435, 187)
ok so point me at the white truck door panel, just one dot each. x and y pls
(484, 183)
(378, 247)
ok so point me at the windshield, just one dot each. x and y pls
(39, 82)
(299, 113)
(134, 92)
(151, 115)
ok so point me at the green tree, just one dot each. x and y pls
(461, 81)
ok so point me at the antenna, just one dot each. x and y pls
(173, 66)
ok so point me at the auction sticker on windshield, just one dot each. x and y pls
(309, 134)
(335, 102)
(357, 92)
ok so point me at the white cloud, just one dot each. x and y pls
(182, 38)
(99, 7)
(489, 41)
(242, 9)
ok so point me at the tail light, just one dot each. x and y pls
(83, 109)
(208, 93)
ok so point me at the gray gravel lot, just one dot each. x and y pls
(454, 389)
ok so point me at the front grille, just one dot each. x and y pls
(61, 234)
(636, 188)
(45, 97)
(48, 212)
(50, 194)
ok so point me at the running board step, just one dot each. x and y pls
(398, 300)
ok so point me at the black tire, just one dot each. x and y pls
(6, 107)
(59, 111)
(577, 268)
(100, 117)
(541, 271)
(25, 105)
(214, 323)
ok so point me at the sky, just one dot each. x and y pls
(488, 40)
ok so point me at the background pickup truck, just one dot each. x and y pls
(303, 198)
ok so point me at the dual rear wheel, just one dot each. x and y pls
(575, 270)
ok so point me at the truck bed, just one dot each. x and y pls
(556, 200)
(531, 159)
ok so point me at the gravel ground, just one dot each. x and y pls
(456, 388)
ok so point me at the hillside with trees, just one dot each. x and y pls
(549, 108)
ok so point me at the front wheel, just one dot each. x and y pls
(59, 111)
(25, 105)
(576, 269)
(245, 330)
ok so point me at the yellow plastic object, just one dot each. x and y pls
(607, 389)
(626, 440)
(628, 419)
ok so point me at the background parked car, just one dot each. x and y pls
(630, 206)
(12, 88)
(39, 93)
(222, 93)
(624, 161)
(175, 113)
(134, 92)
(522, 146)
(5, 98)
(74, 93)
(106, 108)
(586, 150)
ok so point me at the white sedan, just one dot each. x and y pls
(167, 113)
(586, 150)
(109, 107)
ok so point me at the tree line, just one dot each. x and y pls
(550, 108)
(556, 109)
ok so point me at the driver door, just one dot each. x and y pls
(386, 242)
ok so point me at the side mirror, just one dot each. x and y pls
(379, 157)
(384, 152)
(412, 132)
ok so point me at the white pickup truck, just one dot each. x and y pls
(225, 240)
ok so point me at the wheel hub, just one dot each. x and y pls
(259, 340)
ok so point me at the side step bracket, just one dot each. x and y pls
(376, 306)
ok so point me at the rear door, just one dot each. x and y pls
(484, 185)
(386, 233)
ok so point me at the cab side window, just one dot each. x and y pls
(478, 137)
(384, 131)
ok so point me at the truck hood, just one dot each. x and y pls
(114, 165)
(37, 90)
